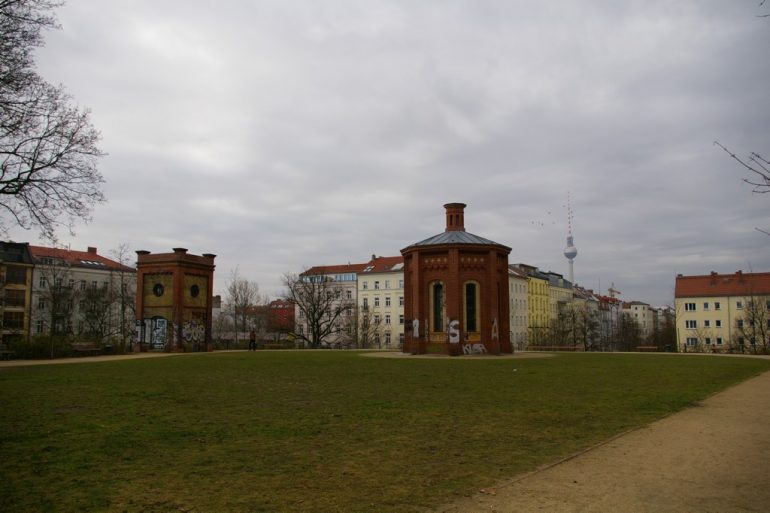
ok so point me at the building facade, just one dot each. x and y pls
(518, 289)
(174, 301)
(16, 266)
(81, 293)
(723, 312)
(456, 292)
(380, 299)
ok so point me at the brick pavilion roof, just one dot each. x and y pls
(456, 237)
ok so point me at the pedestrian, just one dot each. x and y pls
(253, 341)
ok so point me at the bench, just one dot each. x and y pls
(86, 349)
(643, 349)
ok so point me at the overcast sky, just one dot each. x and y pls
(285, 134)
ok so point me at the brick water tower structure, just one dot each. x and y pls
(456, 292)
(174, 293)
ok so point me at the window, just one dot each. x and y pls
(401, 338)
(13, 320)
(706, 324)
(377, 339)
(15, 275)
(387, 284)
(708, 341)
(689, 307)
(376, 301)
(401, 319)
(719, 341)
(41, 281)
(93, 284)
(691, 341)
(401, 301)
(41, 303)
(437, 306)
(387, 318)
(717, 306)
(366, 303)
(471, 300)
(387, 339)
(376, 285)
(718, 323)
(365, 285)
(740, 323)
(705, 306)
(71, 284)
(15, 298)
(691, 325)
(39, 326)
(739, 305)
(348, 294)
(401, 285)
(387, 301)
(82, 284)
(376, 319)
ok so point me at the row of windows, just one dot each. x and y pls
(692, 325)
(691, 307)
(71, 283)
(693, 341)
(377, 301)
(386, 283)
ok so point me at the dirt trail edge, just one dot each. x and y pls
(713, 457)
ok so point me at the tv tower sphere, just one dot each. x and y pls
(570, 251)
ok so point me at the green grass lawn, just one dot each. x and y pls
(318, 431)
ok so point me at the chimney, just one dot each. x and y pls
(455, 217)
(181, 251)
(92, 250)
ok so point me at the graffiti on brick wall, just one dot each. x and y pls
(454, 331)
(495, 330)
(416, 328)
(193, 332)
(474, 349)
(159, 330)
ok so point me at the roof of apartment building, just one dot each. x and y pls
(380, 264)
(89, 259)
(518, 272)
(334, 269)
(15, 252)
(714, 284)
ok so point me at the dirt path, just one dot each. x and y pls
(714, 457)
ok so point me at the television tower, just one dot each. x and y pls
(570, 251)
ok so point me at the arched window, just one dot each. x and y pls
(471, 304)
(437, 306)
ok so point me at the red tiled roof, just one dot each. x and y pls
(384, 264)
(83, 259)
(738, 284)
(334, 269)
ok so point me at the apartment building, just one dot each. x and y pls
(381, 303)
(538, 304)
(518, 289)
(721, 312)
(16, 266)
(81, 292)
(645, 315)
(316, 322)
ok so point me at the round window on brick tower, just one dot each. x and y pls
(194, 291)
(158, 289)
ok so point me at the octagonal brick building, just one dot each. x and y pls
(456, 292)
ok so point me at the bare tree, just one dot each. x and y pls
(242, 296)
(321, 305)
(753, 327)
(48, 153)
(369, 329)
(124, 282)
(759, 167)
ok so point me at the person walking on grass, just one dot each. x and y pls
(253, 340)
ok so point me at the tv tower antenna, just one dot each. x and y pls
(570, 251)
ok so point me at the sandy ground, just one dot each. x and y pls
(714, 457)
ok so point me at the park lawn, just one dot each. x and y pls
(318, 431)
